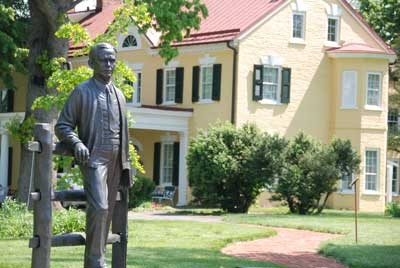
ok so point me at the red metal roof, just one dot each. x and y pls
(356, 48)
(226, 20)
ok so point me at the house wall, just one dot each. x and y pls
(316, 89)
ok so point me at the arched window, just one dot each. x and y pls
(129, 41)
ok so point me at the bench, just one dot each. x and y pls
(162, 193)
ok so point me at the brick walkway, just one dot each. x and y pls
(292, 248)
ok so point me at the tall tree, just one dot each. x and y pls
(171, 17)
(14, 17)
(384, 17)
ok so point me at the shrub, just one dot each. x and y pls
(17, 221)
(68, 221)
(311, 171)
(228, 167)
(393, 209)
(141, 191)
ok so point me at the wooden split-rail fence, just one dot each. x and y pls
(42, 195)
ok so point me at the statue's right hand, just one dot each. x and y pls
(81, 152)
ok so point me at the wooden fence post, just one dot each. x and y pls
(42, 184)
(120, 226)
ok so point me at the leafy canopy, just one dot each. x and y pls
(13, 55)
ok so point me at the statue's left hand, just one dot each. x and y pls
(81, 152)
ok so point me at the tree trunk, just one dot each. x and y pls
(46, 18)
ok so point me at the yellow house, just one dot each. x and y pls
(287, 65)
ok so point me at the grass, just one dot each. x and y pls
(154, 244)
(378, 236)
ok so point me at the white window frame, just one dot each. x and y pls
(132, 30)
(376, 174)
(354, 92)
(367, 89)
(301, 39)
(337, 30)
(278, 90)
(201, 89)
(137, 88)
(169, 102)
(163, 181)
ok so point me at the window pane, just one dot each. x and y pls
(170, 85)
(395, 179)
(270, 83)
(393, 119)
(206, 82)
(129, 41)
(373, 89)
(349, 89)
(298, 26)
(167, 163)
(346, 180)
(371, 170)
(332, 29)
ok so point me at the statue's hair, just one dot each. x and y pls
(94, 50)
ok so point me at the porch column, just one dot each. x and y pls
(4, 158)
(183, 182)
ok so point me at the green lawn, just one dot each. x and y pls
(378, 236)
(154, 244)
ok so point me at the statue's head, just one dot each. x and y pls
(102, 58)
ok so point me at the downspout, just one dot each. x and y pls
(234, 71)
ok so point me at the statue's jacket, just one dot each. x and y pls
(81, 112)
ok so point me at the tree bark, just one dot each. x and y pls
(46, 18)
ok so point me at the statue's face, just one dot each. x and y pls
(104, 64)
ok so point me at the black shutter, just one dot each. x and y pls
(179, 85)
(216, 87)
(10, 164)
(195, 83)
(257, 82)
(156, 164)
(10, 101)
(159, 89)
(285, 90)
(175, 165)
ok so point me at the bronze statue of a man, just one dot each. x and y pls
(93, 124)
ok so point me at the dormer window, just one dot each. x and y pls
(333, 29)
(298, 25)
(334, 12)
(130, 41)
(298, 22)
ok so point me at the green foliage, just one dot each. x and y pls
(74, 32)
(384, 17)
(393, 209)
(23, 132)
(173, 19)
(13, 29)
(228, 167)
(15, 220)
(64, 81)
(141, 191)
(49, 65)
(311, 170)
(68, 221)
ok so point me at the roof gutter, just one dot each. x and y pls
(233, 46)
